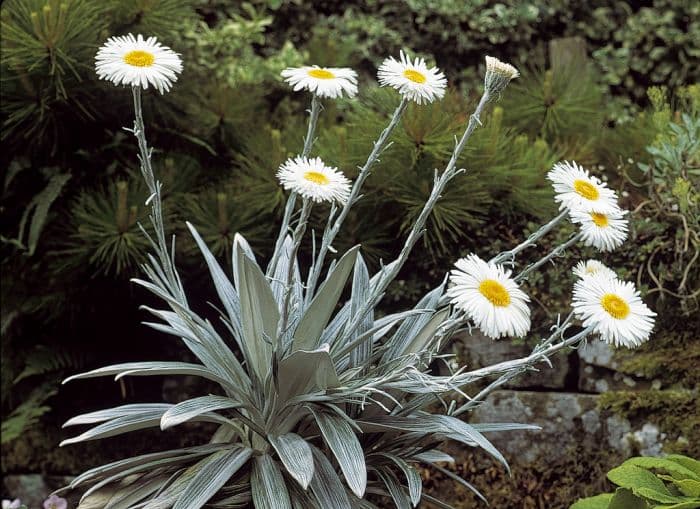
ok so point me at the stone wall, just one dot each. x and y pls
(564, 399)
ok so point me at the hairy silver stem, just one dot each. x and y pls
(557, 251)
(531, 240)
(331, 232)
(291, 201)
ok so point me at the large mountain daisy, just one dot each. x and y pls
(312, 179)
(489, 297)
(578, 190)
(614, 309)
(413, 79)
(330, 82)
(135, 61)
(592, 268)
(604, 231)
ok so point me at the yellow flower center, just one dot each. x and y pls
(586, 189)
(316, 178)
(321, 74)
(139, 58)
(599, 219)
(495, 292)
(414, 76)
(615, 306)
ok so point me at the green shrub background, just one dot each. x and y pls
(72, 197)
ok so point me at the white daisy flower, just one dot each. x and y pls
(133, 61)
(314, 180)
(331, 82)
(604, 231)
(498, 75)
(614, 308)
(577, 189)
(491, 299)
(413, 79)
(592, 268)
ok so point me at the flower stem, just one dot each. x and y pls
(331, 232)
(510, 255)
(291, 201)
(557, 251)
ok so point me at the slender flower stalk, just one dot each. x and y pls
(291, 200)
(509, 256)
(330, 232)
(557, 251)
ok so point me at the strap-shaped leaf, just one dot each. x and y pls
(305, 371)
(227, 293)
(128, 463)
(132, 410)
(296, 456)
(210, 475)
(136, 492)
(400, 498)
(129, 423)
(326, 485)
(191, 408)
(267, 485)
(360, 293)
(413, 479)
(321, 308)
(347, 449)
(428, 424)
(150, 368)
(259, 314)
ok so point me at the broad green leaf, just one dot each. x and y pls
(267, 485)
(689, 487)
(259, 314)
(625, 499)
(634, 477)
(342, 440)
(689, 463)
(191, 408)
(210, 475)
(321, 308)
(652, 494)
(673, 467)
(693, 504)
(597, 502)
(296, 456)
(326, 485)
(305, 371)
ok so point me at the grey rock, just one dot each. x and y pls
(567, 419)
(597, 353)
(477, 351)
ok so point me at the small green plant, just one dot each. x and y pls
(671, 482)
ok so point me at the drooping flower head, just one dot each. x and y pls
(498, 75)
(614, 309)
(312, 179)
(135, 61)
(55, 502)
(578, 190)
(413, 79)
(489, 297)
(604, 231)
(330, 82)
(592, 268)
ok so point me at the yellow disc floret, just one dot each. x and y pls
(615, 306)
(316, 178)
(495, 292)
(586, 189)
(414, 76)
(139, 58)
(599, 219)
(321, 74)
